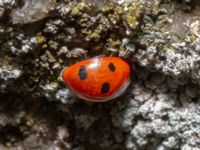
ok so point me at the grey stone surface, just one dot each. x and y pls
(160, 109)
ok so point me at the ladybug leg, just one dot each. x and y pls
(114, 53)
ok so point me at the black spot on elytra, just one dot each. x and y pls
(82, 74)
(105, 87)
(111, 66)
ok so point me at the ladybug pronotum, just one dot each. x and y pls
(98, 79)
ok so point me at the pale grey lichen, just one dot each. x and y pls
(170, 49)
(8, 4)
(159, 38)
(8, 74)
(160, 117)
(65, 96)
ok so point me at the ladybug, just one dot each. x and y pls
(98, 79)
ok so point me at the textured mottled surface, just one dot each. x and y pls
(159, 111)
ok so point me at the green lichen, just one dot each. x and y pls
(190, 38)
(113, 15)
(113, 11)
(114, 43)
(53, 44)
(84, 22)
(152, 7)
(132, 14)
(40, 39)
(80, 8)
(101, 24)
(95, 33)
(7, 60)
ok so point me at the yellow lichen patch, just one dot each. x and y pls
(78, 9)
(152, 7)
(113, 12)
(40, 39)
(83, 22)
(132, 14)
(113, 44)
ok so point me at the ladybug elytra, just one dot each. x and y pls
(98, 79)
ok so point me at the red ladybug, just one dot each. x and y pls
(98, 79)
